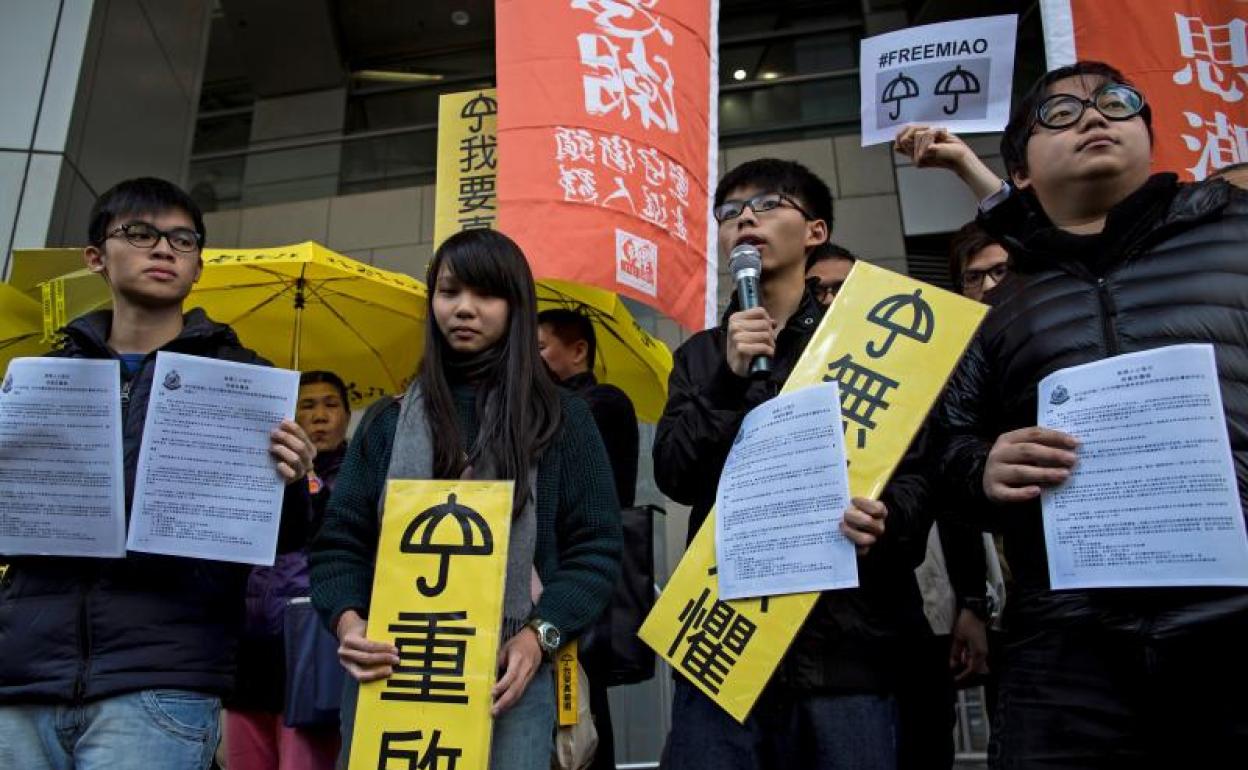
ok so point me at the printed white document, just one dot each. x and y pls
(782, 497)
(1153, 500)
(207, 486)
(62, 487)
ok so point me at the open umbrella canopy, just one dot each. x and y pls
(628, 356)
(254, 290)
(21, 327)
(301, 306)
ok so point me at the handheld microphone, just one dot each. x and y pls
(746, 265)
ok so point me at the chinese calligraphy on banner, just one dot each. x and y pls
(467, 163)
(1189, 57)
(890, 342)
(438, 597)
(607, 136)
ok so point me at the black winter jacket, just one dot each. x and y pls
(852, 639)
(1171, 267)
(617, 422)
(77, 629)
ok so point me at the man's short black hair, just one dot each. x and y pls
(966, 243)
(571, 327)
(137, 197)
(827, 251)
(785, 176)
(1023, 119)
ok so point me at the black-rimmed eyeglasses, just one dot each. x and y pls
(758, 204)
(144, 235)
(975, 278)
(1115, 101)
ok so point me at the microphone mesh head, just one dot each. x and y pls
(745, 257)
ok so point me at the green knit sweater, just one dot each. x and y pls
(578, 519)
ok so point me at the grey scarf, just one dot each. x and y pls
(412, 458)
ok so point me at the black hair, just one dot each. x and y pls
(968, 241)
(827, 251)
(329, 378)
(785, 176)
(571, 327)
(136, 197)
(1023, 119)
(517, 403)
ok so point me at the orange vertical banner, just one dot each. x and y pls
(606, 142)
(1189, 57)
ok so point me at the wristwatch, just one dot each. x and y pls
(548, 635)
(978, 606)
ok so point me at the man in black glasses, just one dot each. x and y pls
(827, 267)
(1106, 258)
(830, 703)
(122, 662)
(977, 261)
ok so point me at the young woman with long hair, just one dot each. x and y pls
(483, 406)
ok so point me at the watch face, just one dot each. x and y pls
(550, 636)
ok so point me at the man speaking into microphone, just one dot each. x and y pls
(829, 704)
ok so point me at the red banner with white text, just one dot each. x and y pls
(606, 145)
(1188, 57)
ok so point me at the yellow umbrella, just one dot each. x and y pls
(628, 356)
(21, 328)
(32, 267)
(302, 307)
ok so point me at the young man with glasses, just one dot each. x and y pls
(108, 663)
(827, 267)
(977, 261)
(1106, 259)
(829, 705)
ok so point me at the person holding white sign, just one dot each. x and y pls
(1105, 259)
(122, 662)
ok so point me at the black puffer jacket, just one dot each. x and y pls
(853, 638)
(1170, 268)
(78, 629)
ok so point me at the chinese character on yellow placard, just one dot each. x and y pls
(438, 597)
(467, 163)
(890, 343)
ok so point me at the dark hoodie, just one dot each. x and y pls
(78, 629)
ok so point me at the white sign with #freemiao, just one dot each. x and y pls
(957, 75)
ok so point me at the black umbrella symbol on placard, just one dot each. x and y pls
(897, 90)
(475, 539)
(956, 83)
(919, 326)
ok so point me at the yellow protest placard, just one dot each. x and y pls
(890, 342)
(467, 163)
(438, 598)
(565, 684)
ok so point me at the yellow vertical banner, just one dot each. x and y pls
(438, 598)
(566, 684)
(890, 342)
(466, 195)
